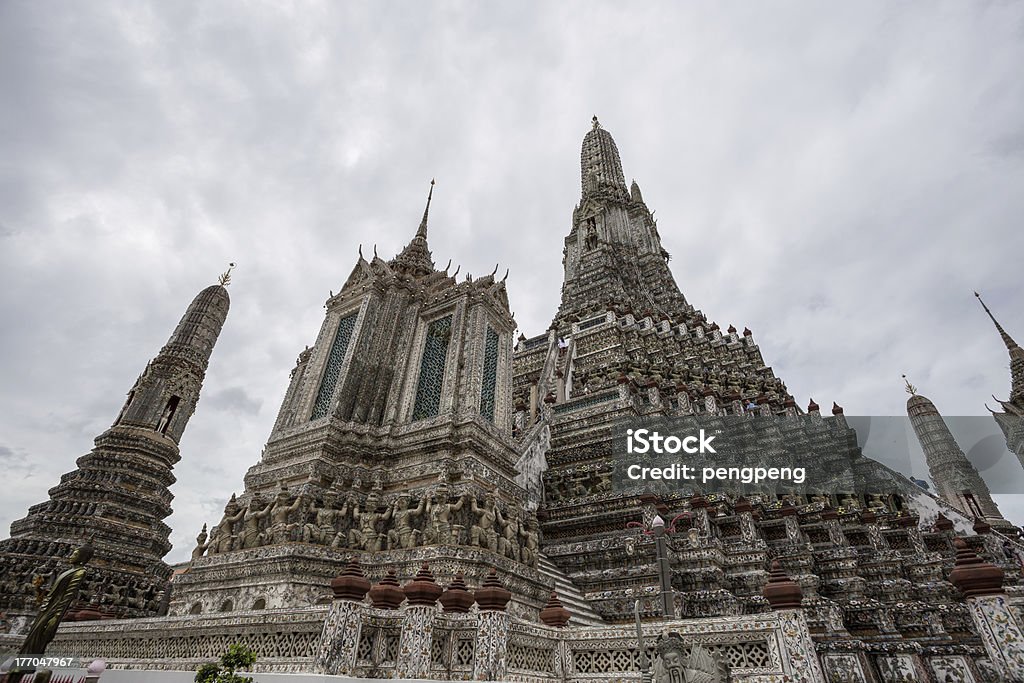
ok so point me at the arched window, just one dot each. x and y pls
(227, 606)
(168, 414)
(260, 604)
(196, 608)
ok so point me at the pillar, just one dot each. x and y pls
(418, 625)
(491, 662)
(417, 639)
(336, 650)
(1002, 635)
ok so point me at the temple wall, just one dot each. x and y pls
(757, 647)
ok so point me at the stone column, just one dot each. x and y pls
(336, 650)
(1003, 636)
(491, 661)
(784, 596)
(417, 638)
(418, 625)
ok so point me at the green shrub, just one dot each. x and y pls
(237, 657)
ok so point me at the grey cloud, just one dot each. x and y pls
(838, 178)
(235, 399)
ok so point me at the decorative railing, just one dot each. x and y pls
(283, 640)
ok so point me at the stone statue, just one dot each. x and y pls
(226, 538)
(251, 516)
(508, 542)
(280, 528)
(61, 597)
(529, 552)
(201, 544)
(402, 535)
(672, 663)
(367, 536)
(483, 534)
(439, 531)
(323, 529)
(165, 417)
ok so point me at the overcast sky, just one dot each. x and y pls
(838, 177)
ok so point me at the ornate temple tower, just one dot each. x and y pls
(625, 344)
(119, 494)
(394, 441)
(1011, 418)
(955, 478)
(613, 253)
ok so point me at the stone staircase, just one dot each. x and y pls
(571, 597)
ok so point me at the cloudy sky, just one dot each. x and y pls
(838, 177)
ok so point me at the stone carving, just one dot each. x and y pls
(367, 535)
(402, 533)
(201, 544)
(439, 510)
(530, 535)
(677, 663)
(250, 516)
(280, 527)
(483, 533)
(323, 527)
(508, 542)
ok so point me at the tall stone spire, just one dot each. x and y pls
(416, 259)
(1016, 359)
(956, 480)
(119, 494)
(600, 166)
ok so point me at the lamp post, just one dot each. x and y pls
(664, 571)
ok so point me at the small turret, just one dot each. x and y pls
(956, 480)
(634, 193)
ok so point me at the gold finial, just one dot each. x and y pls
(911, 389)
(225, 278)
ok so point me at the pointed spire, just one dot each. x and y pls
(1016, 358)
(911, 389)
(600, 165)
(422, 232)
(415, 259)
(225, 278)
(1007, 339)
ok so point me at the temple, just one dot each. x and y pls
(438, 499)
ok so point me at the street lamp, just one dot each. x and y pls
(664, 571)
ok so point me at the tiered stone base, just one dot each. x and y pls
(298, 575)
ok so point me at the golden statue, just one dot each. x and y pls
(59, 600)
